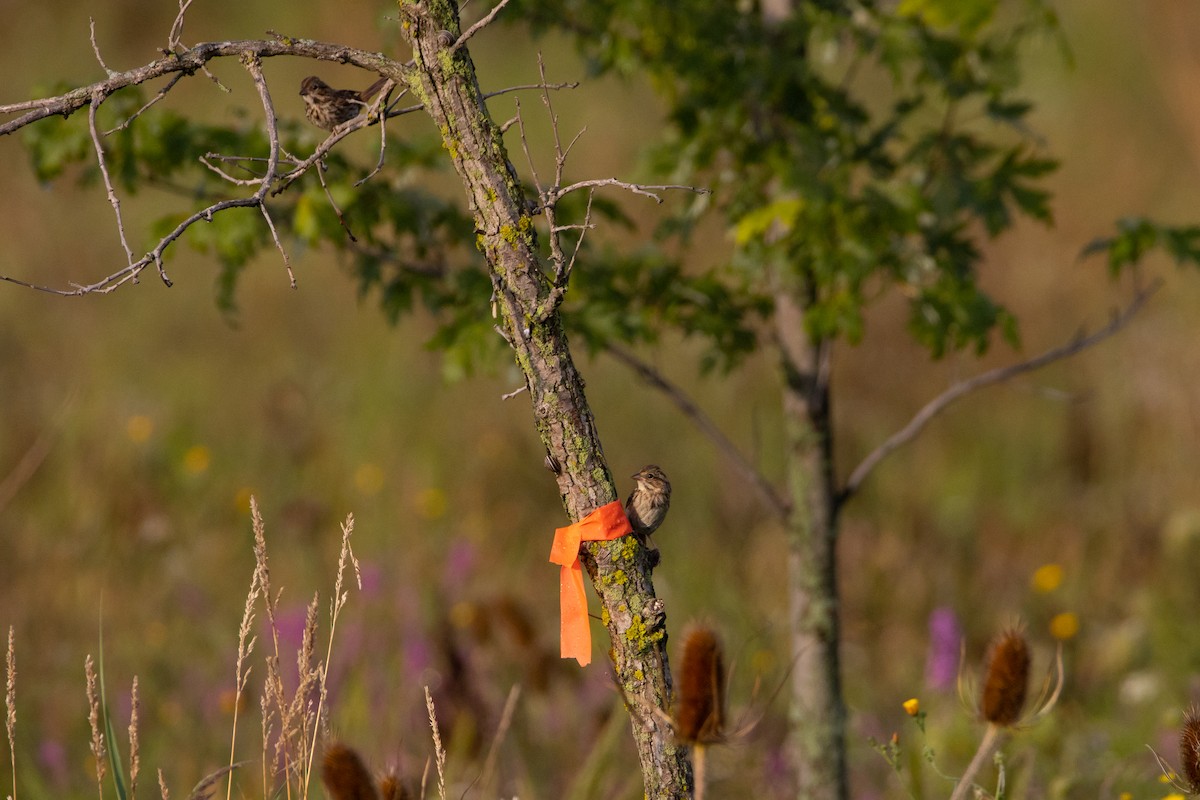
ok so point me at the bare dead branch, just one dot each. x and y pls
(1082, 341)
(477, 27)
(777, 503)
(190, 61)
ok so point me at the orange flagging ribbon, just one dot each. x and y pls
(606, 522)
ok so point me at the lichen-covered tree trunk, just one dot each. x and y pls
(444, 81)
(818, 712)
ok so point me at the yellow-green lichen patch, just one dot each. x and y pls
(628, 549)
(640, 637)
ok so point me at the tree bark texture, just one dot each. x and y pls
(444, 81)
(818, 713)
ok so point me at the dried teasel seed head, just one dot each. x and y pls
(345, 776)
(1189, 749)
(391, 788)
(1007, 679)
(700, 714)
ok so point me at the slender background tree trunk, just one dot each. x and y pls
(818, 711)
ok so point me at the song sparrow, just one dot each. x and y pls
(327, 107)
(648, 502)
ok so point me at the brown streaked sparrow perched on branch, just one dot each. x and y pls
(648, 502)
(327, 107)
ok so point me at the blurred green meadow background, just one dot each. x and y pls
(137, 425)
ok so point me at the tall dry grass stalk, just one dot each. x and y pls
(99, 751)
(506, 717)
(162, 786)
(335, 607)
(439, 753)
(246, 642)
(135, 756)
(292, 722)
(10, 706)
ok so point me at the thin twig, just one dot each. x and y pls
(537, 181)
(287, 262)
(373, 113)
(648, 190)
(777, 503)
(522, 87)
(561, 280)
(96, 47)
(113, 200)
(339, 133)
(960, 389)
(337, 210)
(254, 67)
(477, 27)
(159, 96)
(177, 26)
(237, 161)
